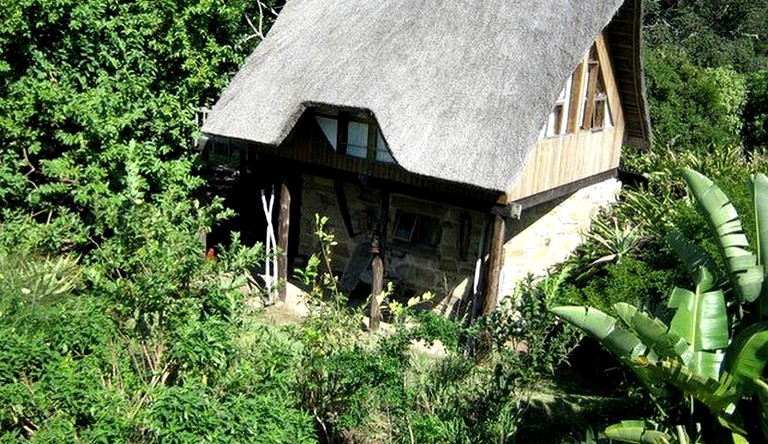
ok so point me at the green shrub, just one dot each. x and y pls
(631, 280)
(432, 326)
(693, 108)
(527, 342)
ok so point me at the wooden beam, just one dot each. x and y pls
(383, 224)
(508, 211)
(495, 262)
(577, 91)
(563, 190)
(341, 197)
(589, 107)
(284, 222)
(376, 288)
(377, 265)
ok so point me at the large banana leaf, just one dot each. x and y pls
(702, 320)
(622, 343)
(655, 334)
(743, 270)
(639, 431)
(720, 398)
(692, 256)
(747, 356)
(762, 397)
(758, 186)
(602, 327)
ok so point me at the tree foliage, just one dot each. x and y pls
(703, 64)
(714, 33)
(98, 101)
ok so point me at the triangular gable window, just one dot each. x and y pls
(354, 133)
(583, 102)
(597, 111)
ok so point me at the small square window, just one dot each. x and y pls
(417, 229)
(405, 226)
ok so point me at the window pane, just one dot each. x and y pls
(357, 139)
(382, 150)
(599, 119)
(330, 128)
(558, 120)
(590, 94)
(608, 115)
(405, 226)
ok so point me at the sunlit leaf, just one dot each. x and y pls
(744, 272)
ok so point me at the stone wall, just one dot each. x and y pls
(319, 197)
(413, 267)
(546, 234)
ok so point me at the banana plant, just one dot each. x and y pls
(646, 432)
(745, 269)
(718, 364)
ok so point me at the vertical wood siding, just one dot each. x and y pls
(564, 159)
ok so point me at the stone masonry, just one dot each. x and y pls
(545, 235)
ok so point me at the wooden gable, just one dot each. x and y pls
(579, 148)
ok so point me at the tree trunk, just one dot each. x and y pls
(284, 222)
(494, 265)
(376, 288)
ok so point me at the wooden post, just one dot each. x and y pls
(494, 264)
(284, 222)
(376, 288)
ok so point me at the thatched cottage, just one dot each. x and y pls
(472, 140)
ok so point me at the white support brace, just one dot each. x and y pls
(270, 266)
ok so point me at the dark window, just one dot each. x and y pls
(417, 229)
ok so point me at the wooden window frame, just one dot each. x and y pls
(597, 109)
(587, 108)
(415, 234)
(411, 229)
(343, 119)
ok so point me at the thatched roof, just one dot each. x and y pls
(460, 89)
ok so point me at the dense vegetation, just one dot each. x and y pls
(115, 327)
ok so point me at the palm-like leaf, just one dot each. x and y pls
(719, 397)
(702, 320)
(623, 344)
(745, 273)
(690, 254)
(747, 356)
(603, 328)
(758, 186)
(655, 334)
(762, 397)
(642, 432)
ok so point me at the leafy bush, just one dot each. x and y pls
(755, 130)
(432, 326)
(631, 280)
(691, 107)
(708, 352)
(527, 342)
